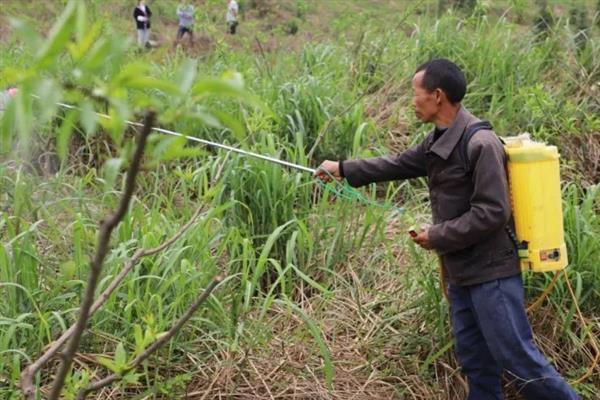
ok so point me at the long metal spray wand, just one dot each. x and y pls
(209, 143)
(344, 192)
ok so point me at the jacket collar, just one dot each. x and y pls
(447, 142)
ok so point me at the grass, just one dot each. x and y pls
(324, 296)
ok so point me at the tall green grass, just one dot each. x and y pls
(291, 250)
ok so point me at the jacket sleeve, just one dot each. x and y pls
(409, 164)
(490, 206)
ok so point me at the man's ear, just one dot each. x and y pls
(439, 94)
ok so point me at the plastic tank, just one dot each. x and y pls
(534, 180)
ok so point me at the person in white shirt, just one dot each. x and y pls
(231, 17)
(141, 15)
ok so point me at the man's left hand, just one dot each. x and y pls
(422, 239)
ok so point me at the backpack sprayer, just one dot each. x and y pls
(534, 191)
(534, 184)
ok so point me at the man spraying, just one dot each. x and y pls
(471, 233)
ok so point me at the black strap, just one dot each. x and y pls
(466, 137)
(464, 142)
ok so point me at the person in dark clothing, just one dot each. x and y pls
(471, 211)
(141, 15)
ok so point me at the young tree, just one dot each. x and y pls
(90, 70)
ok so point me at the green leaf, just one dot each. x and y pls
(49, 93)
(120, 356)
(434, 356)
(107, 363)
(59, 35)
(131, 378)
(115, 125)
(23, 115)
(145, 83)
(317, 336)
(138, 337)
(80, 21)
(130, 71)
(266, 250)
(187, 74)
(8, 127)
(110, 170)
(235, 78)
(230, 122)
(83, 45)
(170, 148)
(97, 55)
(65, 132)
(220, 87)
(216, 86)
(68, 270)
(26, 32)
(88, 118)
(206, 118)
(311, 282)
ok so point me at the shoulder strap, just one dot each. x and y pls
(466, 137)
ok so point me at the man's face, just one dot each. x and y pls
(426, 104)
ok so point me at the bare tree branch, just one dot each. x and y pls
(106, 228)
(28, 373)
(157, 343)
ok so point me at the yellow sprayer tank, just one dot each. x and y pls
(534, 179)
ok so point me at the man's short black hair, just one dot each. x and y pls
(445, 75)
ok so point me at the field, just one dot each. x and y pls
(304, 290)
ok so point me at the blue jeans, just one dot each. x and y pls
(493, 335)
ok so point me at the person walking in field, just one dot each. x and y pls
(470, 232)
(185, 12)
(232, 15)
(141, 15)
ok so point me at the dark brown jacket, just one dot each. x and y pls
(470, 208)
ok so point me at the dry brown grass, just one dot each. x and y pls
(584, 152)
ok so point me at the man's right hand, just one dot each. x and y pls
(328, 170)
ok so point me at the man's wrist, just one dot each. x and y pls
(341, 168)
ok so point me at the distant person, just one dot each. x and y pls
(231, 18)
(185, 12)
(5, 97)
(142, 14)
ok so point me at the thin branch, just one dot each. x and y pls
(157, 343)
(104, 233)
(28, 373)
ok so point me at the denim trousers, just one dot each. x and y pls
(492, 335)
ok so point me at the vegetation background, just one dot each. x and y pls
(324, 296)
